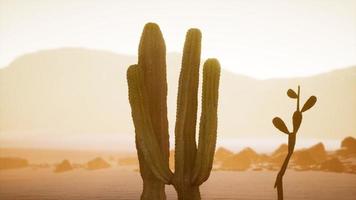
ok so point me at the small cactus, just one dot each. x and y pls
(280, 125)
(147, 95)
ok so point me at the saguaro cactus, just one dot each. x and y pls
(147, 95)
(280, 125)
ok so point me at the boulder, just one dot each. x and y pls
(63, 167)
(306, 158)
(40, 166)
(282, 149)
(349, 143)
(332, 165)
(12, 163)
(303, 158)
(97, 163)
(236, 162)
(128, 161)
(78, 165)
(250, 154)
(352, 169)
(349, 164)
(240, 161)
(348, 147)
(278, 156)
(277, 160)
(263, 158)
(221, 154)
(318, 152)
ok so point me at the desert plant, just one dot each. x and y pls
(148, 99)
(280, 125)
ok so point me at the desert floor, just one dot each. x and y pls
(124, 183)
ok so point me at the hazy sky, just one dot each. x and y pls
(262, 39)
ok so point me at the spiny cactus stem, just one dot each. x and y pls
(186, 117)
(148, 99)
(297, 120)
(291, 145)
(208, 122)
(279, 179)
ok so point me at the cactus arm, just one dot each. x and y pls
(187, 101)
(145, 137)
(208, 122)
(152, 60)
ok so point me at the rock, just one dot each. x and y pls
(236, 162)
(257, 169)
(277, 160)
(303, 168)
(250, 154)
(318, 152)
(272, 168)
(302, 159)
(40, 166)
(278, 156)
(128, 161)
(221, 154)
(306, 158)
(352, 169)
(12, 163)
(349, 164)
(240, 161)
(263, 158)
(332, 165)
(349, 143)
(97, 163)
(63, 167)
(348, 147)
(282, 149)
(78, 165)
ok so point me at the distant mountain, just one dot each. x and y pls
(77, 91)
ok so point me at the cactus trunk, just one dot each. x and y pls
(188, 192)
(152, 60)
(187, 105)
(153, 189)
(148, 99)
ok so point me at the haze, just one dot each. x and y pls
(63, 65)
(262, 39)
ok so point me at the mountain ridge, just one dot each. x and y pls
(80, 91)
(169, 54)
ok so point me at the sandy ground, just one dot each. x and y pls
(124, 183)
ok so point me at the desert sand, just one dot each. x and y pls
(120, 179)
(125, 183)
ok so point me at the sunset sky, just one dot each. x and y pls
(42, 103)
(262, 39)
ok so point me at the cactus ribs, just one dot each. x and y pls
(148, 99)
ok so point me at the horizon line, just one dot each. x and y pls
(9, 63)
